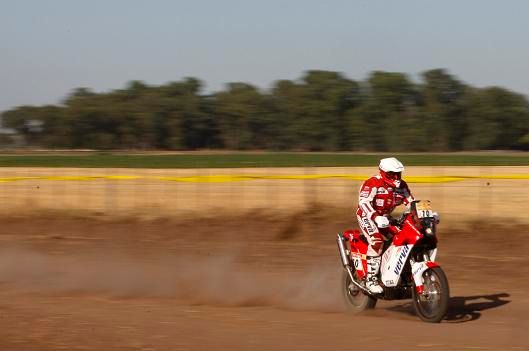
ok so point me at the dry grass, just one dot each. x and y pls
(148, 197)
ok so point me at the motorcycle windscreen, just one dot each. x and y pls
(393, 262)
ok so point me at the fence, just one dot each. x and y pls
(455, 191)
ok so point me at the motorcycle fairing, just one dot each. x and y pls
(393, 262)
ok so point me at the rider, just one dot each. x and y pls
(379, 195)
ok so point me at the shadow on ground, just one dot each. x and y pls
(469, 308)
(463, 308)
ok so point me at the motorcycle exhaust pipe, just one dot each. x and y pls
(345, 263)
(341, 248)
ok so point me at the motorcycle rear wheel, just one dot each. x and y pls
(432, 305)
(355, 300)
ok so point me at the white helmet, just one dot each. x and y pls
(390, 171)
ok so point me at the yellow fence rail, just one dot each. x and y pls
(246, 177)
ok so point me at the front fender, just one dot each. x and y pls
(417, 270)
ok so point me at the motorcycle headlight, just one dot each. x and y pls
(428, 225)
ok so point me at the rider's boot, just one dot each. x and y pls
(373, 265)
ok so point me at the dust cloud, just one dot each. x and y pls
(219, 280)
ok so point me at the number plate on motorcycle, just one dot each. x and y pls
(424, 209)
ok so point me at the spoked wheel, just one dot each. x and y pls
(355, 299)
(432, 305)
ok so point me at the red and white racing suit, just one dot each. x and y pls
(377, 198)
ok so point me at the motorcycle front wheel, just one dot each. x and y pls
(355, 299)
(432, 305)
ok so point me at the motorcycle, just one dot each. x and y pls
(407, 270)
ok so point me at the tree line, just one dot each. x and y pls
(322, 111)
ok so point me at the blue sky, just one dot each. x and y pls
(49, 47)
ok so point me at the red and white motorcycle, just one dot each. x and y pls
(408, 268)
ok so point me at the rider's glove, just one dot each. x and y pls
(436, 217)
(382, 222)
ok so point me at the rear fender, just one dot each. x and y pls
(360, 263)
(358, 246)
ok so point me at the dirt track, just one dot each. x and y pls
(242, 283)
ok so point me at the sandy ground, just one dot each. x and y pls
(246, 282)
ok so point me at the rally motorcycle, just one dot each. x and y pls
(407, 270)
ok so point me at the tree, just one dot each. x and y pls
(497, 119)
(390, 103)
(323, 110)
(443, 109)
(315, 111)
(240, 116)
(44, 125)
(328, 97)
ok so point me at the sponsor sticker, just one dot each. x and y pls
(382, 191)
(401, 261)
(368, 226)
(419, 267)
(380, 202)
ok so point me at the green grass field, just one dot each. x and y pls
(237, 160)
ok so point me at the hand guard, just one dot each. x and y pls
(382, 222)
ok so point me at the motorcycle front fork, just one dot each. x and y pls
(419, 267)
